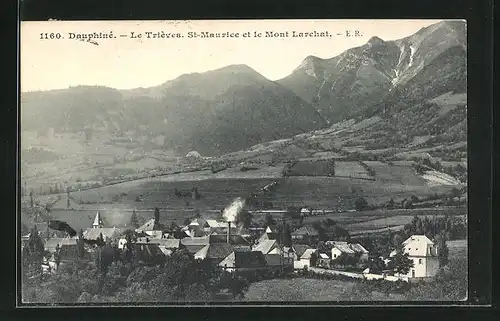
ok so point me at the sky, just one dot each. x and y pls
(125, 63)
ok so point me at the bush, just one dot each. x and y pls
(360, 204)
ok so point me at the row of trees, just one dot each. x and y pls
(458, 171)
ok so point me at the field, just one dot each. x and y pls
(328, 192)
(310, 168)
(375, 221)
(457, 249)
(402, 174)
(302, 289)
(220, 189)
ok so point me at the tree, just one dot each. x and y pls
(34, 251)
(401, 261)
(157, 215)
(397, 240)
(314, 259)
(81, 244)
(375, 263)
(134, 221)
(407, 204)
(442, 251)
(360, 204)
(243, 218)
(390, 204)
(31, 198)
(57, 255)
(455, 192)
(331, 167)
(174, 226)
(270, 220)
(287, 236)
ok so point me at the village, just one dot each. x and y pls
(230, 246)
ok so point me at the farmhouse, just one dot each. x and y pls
(305, 234)
(215, 227)
(194, 244)
(298, 250)
(305, 259)
(424, 255)
(67, 247)
(265, 246)
(252, 261)
(348, 249)
(150, 226)
(269, 234)
(166, 246)
(108, 233)
(323, 260)
(215, 252)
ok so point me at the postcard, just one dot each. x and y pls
(243, 161)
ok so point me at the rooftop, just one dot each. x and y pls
(265, 246)
(305, 230)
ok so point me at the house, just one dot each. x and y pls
(304, 260)
(195, 228)
(155, 234)
(298, 250)
(323, 260)
(67, 248)
(194, 244)
(275, 262)
(238, 261)
(305, 234)
(348, 249)
(215, 227)
(149, 253)
(151, 225)
(214, 252)
(166, 246)
(108, 233)
(121, 243)
(424, 254)
(237, 241)
(269, 234)
(266, 246)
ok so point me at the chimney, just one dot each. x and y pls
(229, 232)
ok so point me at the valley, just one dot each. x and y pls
(383, 121)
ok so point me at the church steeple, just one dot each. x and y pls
(97, 221)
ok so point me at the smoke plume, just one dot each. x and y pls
(232, 211)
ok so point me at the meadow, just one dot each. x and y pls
(218, 190)
(308, 289)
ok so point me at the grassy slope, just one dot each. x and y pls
(307, 290)
(302, 289)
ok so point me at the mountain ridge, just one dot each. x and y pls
(235, 107)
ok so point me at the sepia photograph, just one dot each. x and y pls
(243, 161)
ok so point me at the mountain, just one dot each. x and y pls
(214, 112)
(384, 74)
(406, 92)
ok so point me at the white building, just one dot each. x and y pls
(348, 249)
(305, 260)
(424, 254)
(97, 221)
